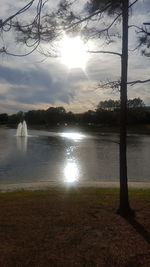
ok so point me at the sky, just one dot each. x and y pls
(38, 82)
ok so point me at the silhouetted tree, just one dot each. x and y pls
(70, 117)
(108, 104)
(135, 103)
(3, 118)
(136, 111)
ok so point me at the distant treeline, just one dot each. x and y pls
(106, 113)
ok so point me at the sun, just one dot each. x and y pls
(73, 52)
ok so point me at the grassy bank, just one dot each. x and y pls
(73, 227)
(3, 126)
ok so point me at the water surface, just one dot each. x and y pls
(70, 157)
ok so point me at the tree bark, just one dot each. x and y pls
(124, 208)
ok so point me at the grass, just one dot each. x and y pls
(73, 227)
(3, 126)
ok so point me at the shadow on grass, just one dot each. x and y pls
(139, 228)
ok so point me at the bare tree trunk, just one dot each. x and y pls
(124, 208)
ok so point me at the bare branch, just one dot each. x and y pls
(3, 50)
(26, 29)
(22, 10)
(88, 17)
(138, 81)
(97, 13)
(133, 3)
(104, 52)
(141, 29)
(116, 84)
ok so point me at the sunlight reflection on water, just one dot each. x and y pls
(71, 169)
(73, 136)
(71, 172)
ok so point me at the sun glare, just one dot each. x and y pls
(73, 52)
(71, 172)
(73, 136)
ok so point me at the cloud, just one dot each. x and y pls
(38, 85)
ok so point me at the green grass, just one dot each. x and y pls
(3, 126)
(78, 192)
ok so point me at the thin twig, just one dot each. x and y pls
(104, 52)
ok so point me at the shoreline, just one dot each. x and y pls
(48, 185)
(141, 129)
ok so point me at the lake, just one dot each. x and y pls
(70, 157)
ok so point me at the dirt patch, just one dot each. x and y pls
(73, 227)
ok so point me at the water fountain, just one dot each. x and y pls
(22, 129)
